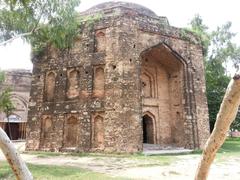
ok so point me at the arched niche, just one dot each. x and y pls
(98, 82)
(98, 132)
(71, 132)
(100, 40)
(19, 102)
(147, 81)
(46, 130)
(73, 84)
(50, 86)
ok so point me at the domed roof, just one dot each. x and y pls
(115, 4)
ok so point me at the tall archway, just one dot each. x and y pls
(162, 78)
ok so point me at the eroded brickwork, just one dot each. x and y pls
(129, 78)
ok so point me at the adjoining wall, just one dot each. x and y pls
(97, 93)
(19, 81)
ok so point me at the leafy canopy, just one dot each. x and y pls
(40, 22)
(218, 50)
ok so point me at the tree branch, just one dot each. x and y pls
(225, 117)
(15, 37)
(15, 161)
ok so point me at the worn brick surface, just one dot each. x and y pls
(130, 77)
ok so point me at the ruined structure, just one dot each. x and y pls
(129, 79)
(19, 81)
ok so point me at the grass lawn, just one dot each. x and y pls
(43, 172)
(230, 149)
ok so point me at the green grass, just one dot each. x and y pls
(231, 147)
(43, 172)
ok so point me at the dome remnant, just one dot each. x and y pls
(121, 5)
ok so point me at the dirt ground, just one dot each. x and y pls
(183, 167)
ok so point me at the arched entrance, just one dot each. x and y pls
(162, 92)
(148, 130)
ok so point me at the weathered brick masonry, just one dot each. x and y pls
(130, 79)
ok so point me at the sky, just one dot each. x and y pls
(179, 13)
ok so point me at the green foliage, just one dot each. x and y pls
(218, 49)
(6, 104)
(40, 22)
(216, 82)
(199, 29)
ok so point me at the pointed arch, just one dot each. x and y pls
(46, 130)
(148, 84)
(173, 83)
(149, 130)
(73, 84)
(98, 132)
(50, 85)
(100, 40)
(98, 82)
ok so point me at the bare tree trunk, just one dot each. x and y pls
(15, 161)
(225, 117)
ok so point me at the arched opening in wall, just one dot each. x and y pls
(100, 40)
(73, 84)
(98, 83)
(71, 132)
(98, 132)
(162, 78)
(50, 86)
(19, 114)
(12, 130)
(148, 129)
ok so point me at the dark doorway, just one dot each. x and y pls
(14, 128)
(147, 124)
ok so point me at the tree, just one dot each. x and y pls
(17, 164)
(225, 117)
(39, 22)
(219, 51)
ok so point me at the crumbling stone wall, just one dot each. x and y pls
(127, 65)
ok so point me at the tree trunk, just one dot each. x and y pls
(225, 117)
(15, 161)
